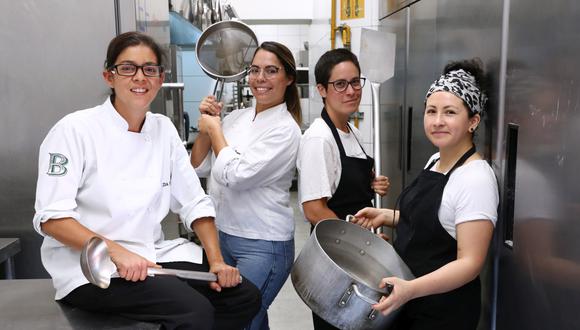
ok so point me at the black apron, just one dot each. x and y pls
(354, 190)
(353, 193)
(426, 246)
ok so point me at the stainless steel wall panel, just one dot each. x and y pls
(50, 64)
(539, 278)
(440, 32)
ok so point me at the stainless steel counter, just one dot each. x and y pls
(8, 248)
(30, 304)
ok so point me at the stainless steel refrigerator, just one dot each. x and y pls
(531, 50)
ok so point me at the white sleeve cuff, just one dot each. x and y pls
(199, 208)
(222, 161)
(57, 210)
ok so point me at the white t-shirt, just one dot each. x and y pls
(117, 183)
(318, 160)
(250, 179)
(470, 194)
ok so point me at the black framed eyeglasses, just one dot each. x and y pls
(270, 71)
(128, 69)
(341, 85)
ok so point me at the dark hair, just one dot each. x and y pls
(475, 67)
(130, 39)
(285, 57)
(329, 60)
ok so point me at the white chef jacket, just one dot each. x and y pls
(250, 179)
(117, 183)
(470, 194)
(318, 160)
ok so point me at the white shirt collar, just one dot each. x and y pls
(265, 114)
(119, 121)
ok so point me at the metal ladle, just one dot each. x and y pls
(98, 267)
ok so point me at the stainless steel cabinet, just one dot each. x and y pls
(539, 275)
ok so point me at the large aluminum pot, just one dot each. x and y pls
(338, 272)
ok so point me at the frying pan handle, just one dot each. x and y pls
(349, 218)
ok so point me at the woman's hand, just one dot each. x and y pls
(130, 266)
(401, 293)
(208, 124)
(210, 106)
(380, 185)
(228, 276)
(370, 217)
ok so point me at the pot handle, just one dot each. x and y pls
(349, 217)
(362, 296)
(365, 298)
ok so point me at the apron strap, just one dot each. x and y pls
(326, 117)
(330, 124)
(459, 162)
(462, 160)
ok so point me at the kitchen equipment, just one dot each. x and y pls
(98, 267)
(338, 271)
(224, 52)
(377, 59)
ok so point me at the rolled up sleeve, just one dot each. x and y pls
(260, 164)
(188, 199)
(60, 166)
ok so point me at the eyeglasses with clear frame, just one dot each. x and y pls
(129, 70)
(269, 71)
(342, 84)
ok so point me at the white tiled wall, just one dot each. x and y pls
(292, 36)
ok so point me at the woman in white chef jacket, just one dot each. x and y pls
(114, 171)
(250, 160)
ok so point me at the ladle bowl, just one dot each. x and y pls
(98, 267)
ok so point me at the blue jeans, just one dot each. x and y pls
(266, 264)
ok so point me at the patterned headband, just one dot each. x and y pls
(462, 84)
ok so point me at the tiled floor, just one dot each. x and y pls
(288, 312)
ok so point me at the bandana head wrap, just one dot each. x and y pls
(462, 84)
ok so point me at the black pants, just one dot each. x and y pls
(321, 324)
(173, 302)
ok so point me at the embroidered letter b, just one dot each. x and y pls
(57, 165)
